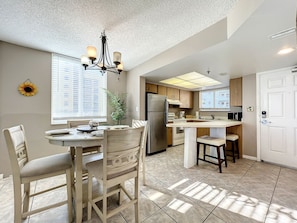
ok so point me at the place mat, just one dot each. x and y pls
(57, 132)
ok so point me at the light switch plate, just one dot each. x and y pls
(250, 108)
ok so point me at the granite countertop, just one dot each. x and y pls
(202, 123)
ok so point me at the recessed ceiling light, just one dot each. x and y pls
(191, 80)
(285, 51)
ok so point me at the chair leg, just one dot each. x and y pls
(225, 156)
(219, 159)
(136, 205)
(17, 201)
(198, 152)
(90, 195)
(69, 193)
(233, 151)
(143, 167)
(104, 207)
(26, 197)
(204, 151)
(237, 147)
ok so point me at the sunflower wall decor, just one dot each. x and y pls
(27, 88)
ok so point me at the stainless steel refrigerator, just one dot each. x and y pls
(156, 115)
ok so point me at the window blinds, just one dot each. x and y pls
(76, 93)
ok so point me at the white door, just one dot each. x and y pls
(278, 130)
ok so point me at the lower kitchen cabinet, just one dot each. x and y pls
(169, 136)
(203, 132)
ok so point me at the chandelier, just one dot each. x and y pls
(104, 63)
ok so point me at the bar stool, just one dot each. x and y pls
(215, 142)
(233, 139)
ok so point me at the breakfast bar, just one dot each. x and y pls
(218, 128)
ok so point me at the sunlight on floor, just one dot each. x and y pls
(179, 206)
(245, 206)
(204, 192)
(279, 213)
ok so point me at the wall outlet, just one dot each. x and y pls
(250, 108)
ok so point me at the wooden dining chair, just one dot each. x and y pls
(26, 171)
(121, 162)
(136, 124)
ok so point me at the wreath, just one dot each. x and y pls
(27, 88)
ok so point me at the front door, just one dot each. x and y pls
(278, 111)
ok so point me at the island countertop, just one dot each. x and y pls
(206, 124)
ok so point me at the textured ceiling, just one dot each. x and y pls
(137, 28)
(160, 38)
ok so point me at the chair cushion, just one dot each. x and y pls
(47, 165)
(211, 140)
(232, 137)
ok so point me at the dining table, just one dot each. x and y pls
(78, 138)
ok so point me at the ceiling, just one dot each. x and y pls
(160, 38)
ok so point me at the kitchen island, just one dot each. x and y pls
(218, 128)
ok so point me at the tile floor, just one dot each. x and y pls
(247, 191)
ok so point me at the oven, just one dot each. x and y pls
(178, 134)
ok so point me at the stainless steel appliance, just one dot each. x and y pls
(156, 115)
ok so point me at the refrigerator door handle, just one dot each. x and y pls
(166, 112)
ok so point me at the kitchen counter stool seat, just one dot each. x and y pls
(233, 139)
(215, 142)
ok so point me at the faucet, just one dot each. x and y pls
(212, 117)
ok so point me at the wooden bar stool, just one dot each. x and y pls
(215, 142)
(233, 139)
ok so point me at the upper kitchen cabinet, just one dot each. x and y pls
(186, 98)
(236, 92)
(172, 93)
(162, 90)
(152, 88)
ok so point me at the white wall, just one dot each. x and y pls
(17, 64)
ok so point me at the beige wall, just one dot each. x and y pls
(17, 64)
(249, 129)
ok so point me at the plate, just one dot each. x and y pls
(86, 128)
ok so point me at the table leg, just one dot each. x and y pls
(190, 147)
(78, 185)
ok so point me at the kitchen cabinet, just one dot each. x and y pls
(169, 136)
(236, 92)
(186, 98)
(162, 90)
(152, 88)
(203, 132)
(172, 93)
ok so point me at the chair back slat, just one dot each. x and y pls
(121, 151)
(17, 147)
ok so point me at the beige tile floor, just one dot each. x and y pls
(247, 191)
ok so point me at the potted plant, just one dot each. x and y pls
(118, 103)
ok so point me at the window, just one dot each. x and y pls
(76, 93)
(218, 99)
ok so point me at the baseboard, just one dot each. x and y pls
(249, 157)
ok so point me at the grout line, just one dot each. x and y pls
(280, 169)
